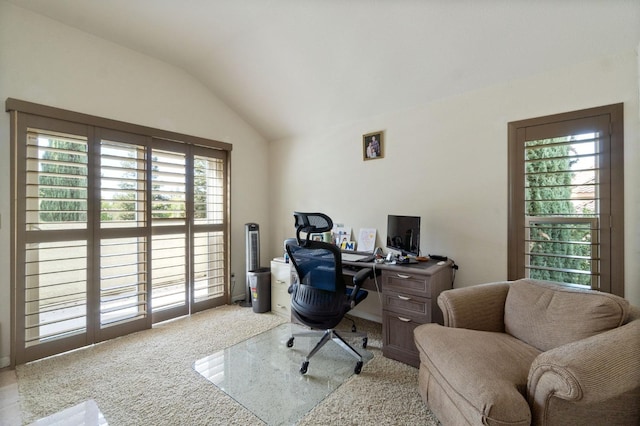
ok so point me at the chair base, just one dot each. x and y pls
(327, 335)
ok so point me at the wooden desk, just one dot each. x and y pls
(409, 299)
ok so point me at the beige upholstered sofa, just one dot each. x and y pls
(531, 352)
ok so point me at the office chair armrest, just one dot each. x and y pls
(359, 278)
(362, 276)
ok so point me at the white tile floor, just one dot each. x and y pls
(9, 403)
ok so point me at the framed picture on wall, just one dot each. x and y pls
(373, 145)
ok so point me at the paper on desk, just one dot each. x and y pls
(367, 240)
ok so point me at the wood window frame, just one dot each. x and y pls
(612, 245)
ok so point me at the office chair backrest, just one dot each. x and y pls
(311, 223)
(317, 263)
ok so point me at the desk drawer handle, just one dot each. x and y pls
(403, 297)
(404, 319)
(404, 277)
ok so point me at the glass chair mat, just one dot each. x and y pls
(263, 374)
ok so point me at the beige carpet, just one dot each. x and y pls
(148, 378)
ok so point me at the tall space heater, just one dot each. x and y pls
(252, 243)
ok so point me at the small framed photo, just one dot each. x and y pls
(317, 237)
(373, 145)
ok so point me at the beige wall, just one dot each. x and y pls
(447, 162)
(45, 62)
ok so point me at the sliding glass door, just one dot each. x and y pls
(115, 231)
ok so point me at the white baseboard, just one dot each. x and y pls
(5, 361)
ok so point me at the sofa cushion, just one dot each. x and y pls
(547, 315)
(484, 373)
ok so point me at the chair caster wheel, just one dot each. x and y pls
(290, 342)
(358, 368)
(364, 342)
(305, 366)
(353, 328)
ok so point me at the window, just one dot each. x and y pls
(566, 199)
(117, 227)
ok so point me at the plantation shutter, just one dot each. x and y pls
(118, 226)
(563, 199)
(209, 256)
(170, 240)
(54, 224)
(562, 208)
(123, 234)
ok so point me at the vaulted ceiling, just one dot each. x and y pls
(295, 66)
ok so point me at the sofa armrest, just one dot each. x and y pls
(634, 313)
(479, 307)
(590, 370)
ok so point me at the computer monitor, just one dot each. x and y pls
(403, 234)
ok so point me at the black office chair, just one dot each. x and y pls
(319, 297)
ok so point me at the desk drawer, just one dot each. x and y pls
(280, 281)
(398, 341)
(406, 283)
(281, 272)
(281, 303)
(403, 304)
